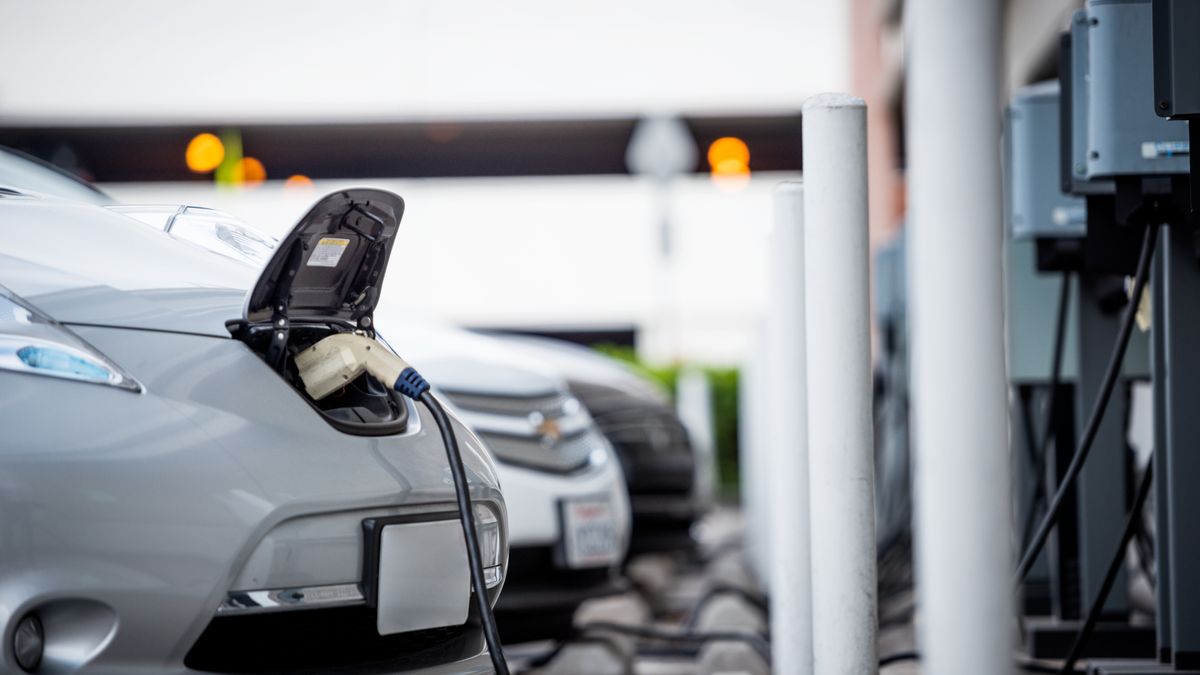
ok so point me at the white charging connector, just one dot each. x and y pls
(334, 362)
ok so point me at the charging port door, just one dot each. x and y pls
(330, 267)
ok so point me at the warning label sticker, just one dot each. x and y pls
(328, 252)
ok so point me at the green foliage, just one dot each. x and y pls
(723, 383)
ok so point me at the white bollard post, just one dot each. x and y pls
(959, 403)
(693, 402)
(786, 462)
(752, 461)
(840, 436)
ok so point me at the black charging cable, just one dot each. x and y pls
(1043, 447)
(1110, 575)
(1054, 509)
(411, 384)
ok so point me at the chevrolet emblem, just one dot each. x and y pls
(549, 431)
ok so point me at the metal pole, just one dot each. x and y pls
(963, 477)
(753, 467)
(838, 336)
(1162, 504)
(693, 402)
(1099, 516)
(1182, 323)
(787, 470)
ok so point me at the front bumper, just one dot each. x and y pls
(658, 461)
(540, 594)
(534, 497)
(127, 519)
(539, 584)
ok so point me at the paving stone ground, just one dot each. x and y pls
(669, 589)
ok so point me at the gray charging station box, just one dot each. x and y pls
(1036, 205)
(1176, 57)
(1125, 136)
(1075, 96)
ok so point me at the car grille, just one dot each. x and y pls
(564, 456)
(654, 447)
(548, 406)
(342, 640)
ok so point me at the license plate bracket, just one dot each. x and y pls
(415, 572)
(589, 535)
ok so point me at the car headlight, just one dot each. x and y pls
(214, 230)
(491, 546)
(33, 343)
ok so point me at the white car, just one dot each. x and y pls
(568, 507)
(665, 474)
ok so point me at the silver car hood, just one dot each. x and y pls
(583, 365)
(83, 264)
(459, 361)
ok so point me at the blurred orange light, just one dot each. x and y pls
(730, 167)
(249, 171)
(298, 181)
(204, 153)
(728, 149)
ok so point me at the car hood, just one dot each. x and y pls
(459, 361)
(585, 366)
(83, 264)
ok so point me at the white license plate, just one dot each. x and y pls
(589, 533)
(424, 581)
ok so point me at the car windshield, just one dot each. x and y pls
(22, 172)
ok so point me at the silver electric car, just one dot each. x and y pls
(171, 501)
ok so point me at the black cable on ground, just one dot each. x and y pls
(1110, 576)
(756, 642)
(899, 657)
(1043, 449)
(1101, 404)
(1027, 665)
(544, 659)
(1031, 666)
(491, 634)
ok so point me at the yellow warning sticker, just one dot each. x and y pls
(328, 252)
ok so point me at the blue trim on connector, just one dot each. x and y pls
(411, 384)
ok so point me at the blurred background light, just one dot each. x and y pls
(204, 153)
(728, 149)
(729, 159)
(298, 181)
(249, 172)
